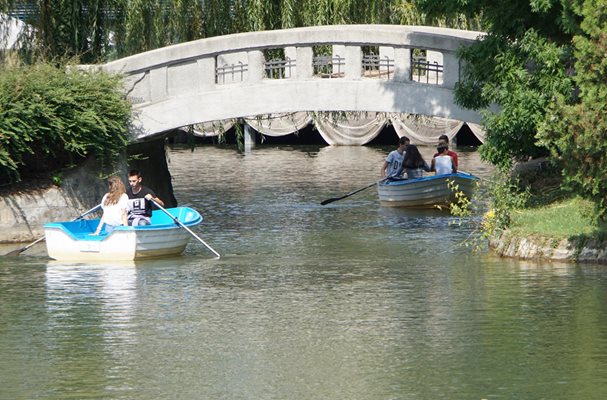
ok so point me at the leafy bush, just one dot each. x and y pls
(577, 133)
(52, 117)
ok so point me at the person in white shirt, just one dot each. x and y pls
(443, 163)
(114, 204)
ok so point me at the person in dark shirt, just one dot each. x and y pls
(140, 200)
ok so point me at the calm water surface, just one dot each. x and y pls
(344, 301)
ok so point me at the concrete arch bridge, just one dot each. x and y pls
(349, 80)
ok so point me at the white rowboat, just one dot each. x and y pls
(164, 237)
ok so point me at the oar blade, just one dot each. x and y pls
(327, 201)
(15, 253)
(331, 200)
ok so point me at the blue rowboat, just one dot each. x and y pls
(164, 237)
(426, 192)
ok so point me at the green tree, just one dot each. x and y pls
(515, 71)
(576, 134)
(65, 29)
(99, 30)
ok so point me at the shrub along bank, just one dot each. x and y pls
(533, 217)
(53, 117)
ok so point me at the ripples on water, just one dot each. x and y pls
(344, 301)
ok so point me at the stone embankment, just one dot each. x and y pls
(543, 248)
(24, 212)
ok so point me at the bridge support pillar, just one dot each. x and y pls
(151, 161)
(249, 137)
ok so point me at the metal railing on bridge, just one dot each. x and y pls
(279, 69)
(234, 73)
(376, 66)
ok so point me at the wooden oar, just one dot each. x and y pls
(331, 200)
(16, 252)
(177, 221)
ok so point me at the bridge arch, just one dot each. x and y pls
(233, 76)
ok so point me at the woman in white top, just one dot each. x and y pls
(114, 204)
(442, 163)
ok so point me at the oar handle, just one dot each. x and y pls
(177, 221)
(86, 213)
(40, 239)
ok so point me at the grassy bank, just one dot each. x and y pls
(560, 220)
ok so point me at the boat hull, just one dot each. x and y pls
(427, 192)
(73, 240)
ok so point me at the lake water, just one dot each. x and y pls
(344, 301)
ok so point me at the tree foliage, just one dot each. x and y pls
(99, 30)
(576, 134)
(514, 73)
(543, 66)
(50, 118)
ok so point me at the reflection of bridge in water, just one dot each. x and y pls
(280, 81)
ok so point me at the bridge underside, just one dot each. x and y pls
(242, 101)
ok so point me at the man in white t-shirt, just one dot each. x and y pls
(393, 166)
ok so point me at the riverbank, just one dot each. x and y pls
(560, 231)
(583, 250)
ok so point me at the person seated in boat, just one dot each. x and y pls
(443, 163)
(392, 168)
(140, 200)
(453, 154)
(414, 164)
(114, 205)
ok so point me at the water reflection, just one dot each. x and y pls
(110, 287)
(90, 310)
(350, 301)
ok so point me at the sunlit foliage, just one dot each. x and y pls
(51, 118)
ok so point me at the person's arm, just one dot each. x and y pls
(125, 219)
(101, 222)
(156, 199)
(382, 173)
(453, 165)
(433, 165)
(152, 196)
(454, 156)
(426, 167)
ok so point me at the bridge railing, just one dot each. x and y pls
(230, 73)
(376, 66)
(279, 69)
(209, 64)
